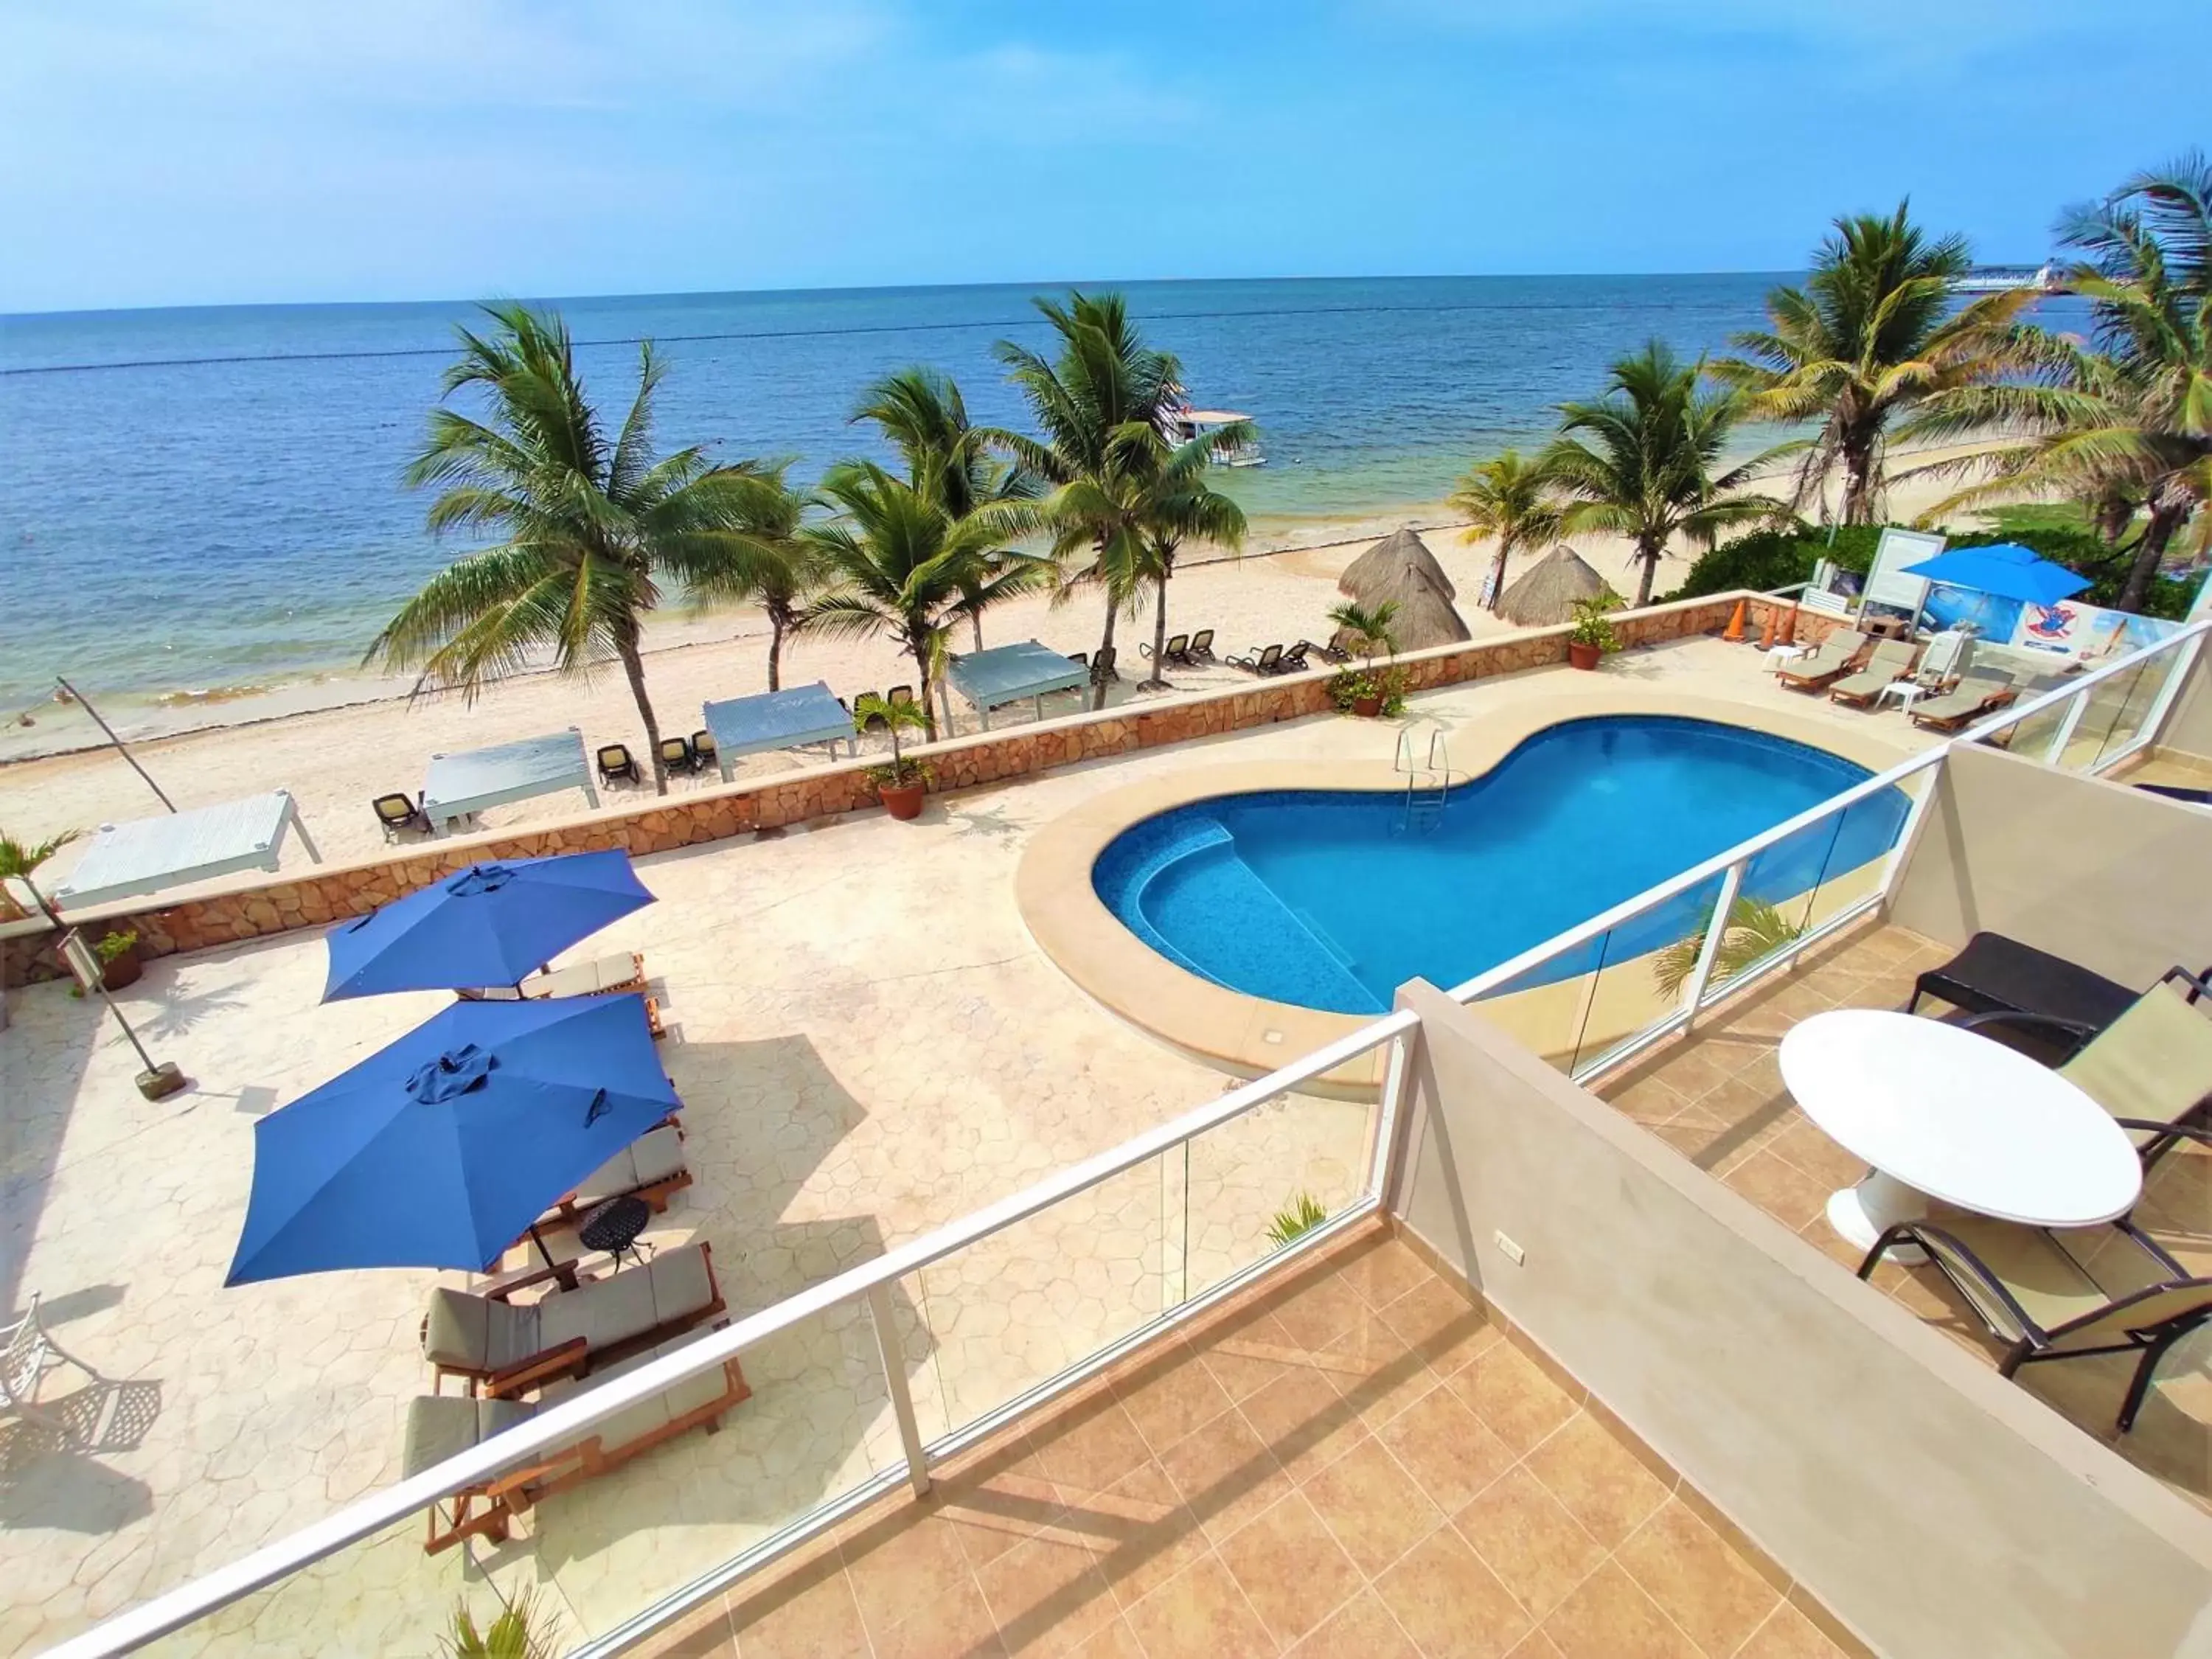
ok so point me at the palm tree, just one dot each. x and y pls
(591, 525)
(922, 413)
(896, 563)
(1645, 470)
(19, 860)
(1118, 490)
(2127, 420)
(768, 563)
(1510, 499)
(1870, 335)
(1371, 630)
(1755, 930)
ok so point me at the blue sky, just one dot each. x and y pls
(206, 151)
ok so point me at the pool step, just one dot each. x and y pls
(1235, 930)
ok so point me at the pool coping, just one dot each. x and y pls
(1250, 1036)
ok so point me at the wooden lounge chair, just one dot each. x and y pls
(675, 755)
(2151, 1068)
(704, 754)
(1978, 691)
(1177, 649)
(1822, 665)
(501, 1349)
(441, 1426)
(651, 1168)
(398, 812)
(615, 761)
(2033, 1292)
(1259, 660)
(1889, 661)
(609, 975)
(1201, 646)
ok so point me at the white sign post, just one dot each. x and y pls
(161, 1078)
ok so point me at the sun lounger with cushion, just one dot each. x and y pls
(2032, 1293)
(651, 1168)
(397, 813)
(501, 1349)
(1978, 690)
(702, 748)
(1890, 661)
(675, 755)
(1822, 665)
(615, 761)
(441, 1426)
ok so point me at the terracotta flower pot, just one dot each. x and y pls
(902, 800)
(1369, 707)
(1583, 656)
(123, 970)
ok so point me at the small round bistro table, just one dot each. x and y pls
(1938, 1112)
(614, 1226)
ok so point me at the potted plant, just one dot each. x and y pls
(1364, 692)
(1592, 636)
(119, 959)
(17, 861)
(900, 785)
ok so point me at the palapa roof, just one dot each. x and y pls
(1544, 595)
(1401, 569)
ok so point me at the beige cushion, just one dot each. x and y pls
(631, 1302)
(654, 1156)
(633, 1422)
(2155, 1062)
(475, 1334)
(440, 1426)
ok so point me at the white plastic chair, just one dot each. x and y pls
(24, 1361)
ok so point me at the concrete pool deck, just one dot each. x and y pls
(869, 1042)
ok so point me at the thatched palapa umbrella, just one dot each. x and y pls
(1399, 570)
(1544, 595)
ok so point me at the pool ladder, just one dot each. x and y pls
(1428, 785)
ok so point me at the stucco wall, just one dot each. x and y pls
(259, 906)
(2188, 727)
(1935, 1509)
(2097, 872)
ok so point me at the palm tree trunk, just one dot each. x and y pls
(1498, 576)
(634, 671)
(1858, 482)
(975, 622)
(1160, 626)
(920, 649)
(1647, 557)
(1105, 644)
(2167, 513)
(779, 619)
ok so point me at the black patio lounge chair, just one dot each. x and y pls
(874, 722)
(899, 694)
(1104, 667)
(2029, 1290)
(1294, 660)
(1177, 649)
(703, 752)
(1201, 646)
(2176, 792)
(675, 755)
(616, 761)
(1259, 660)
(1998, 975)
(1332, 653)
(397, 812)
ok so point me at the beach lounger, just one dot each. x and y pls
(2176, 792)
(1822, 665)
(1890, 661)
(1102, 667)
(1201, 646)
(874, 722)
(2032, 1292)
(899, 694)
(703, 751)
(1293, 661)
(397, 812)
(1177, 649)
(675, 755)
(615, 761)
(1946, 661)
(1259, 661)
(1978, 691)
(441, 1426)
(1331, 652)
(499, 1349)
(651, 1168)
(1996, 974)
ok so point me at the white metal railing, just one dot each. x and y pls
(562, 1425)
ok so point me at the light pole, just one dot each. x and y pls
(161, 1078)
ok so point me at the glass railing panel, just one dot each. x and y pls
(383, 1594)
(1014, 1310)
(1774, 902)
(1867, 833)
(1644, 969)
(1259, 1180)
(2030, 736)
(1542, 1007)
(2131, 706)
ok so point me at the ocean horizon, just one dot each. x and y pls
(209, 497)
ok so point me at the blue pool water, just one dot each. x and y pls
(1333, 899)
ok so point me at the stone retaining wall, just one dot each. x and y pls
(325, 894)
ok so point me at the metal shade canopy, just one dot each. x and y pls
(442, 1149)
(490, 925)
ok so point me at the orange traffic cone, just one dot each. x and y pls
(1734, 634)
(1766, 633)
(1789, 627)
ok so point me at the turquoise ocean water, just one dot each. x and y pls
(204, 498)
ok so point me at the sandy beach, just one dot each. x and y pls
(336, 743)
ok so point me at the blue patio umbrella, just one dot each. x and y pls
(492, 924)
(442, 1149)
(2007, 569)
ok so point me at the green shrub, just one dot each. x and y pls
(1304, 1214)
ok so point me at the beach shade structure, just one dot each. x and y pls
(1008, 673)
(146, 855)
(790, 718)
(1545, 595)
(443, 1149)
(461, 786)
(1400, 570)
(2006, 570)
(491, 924)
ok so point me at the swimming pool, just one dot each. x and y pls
(1331, 899)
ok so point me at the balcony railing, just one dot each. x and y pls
(871, 1378)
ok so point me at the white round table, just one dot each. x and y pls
(1938, 1112)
